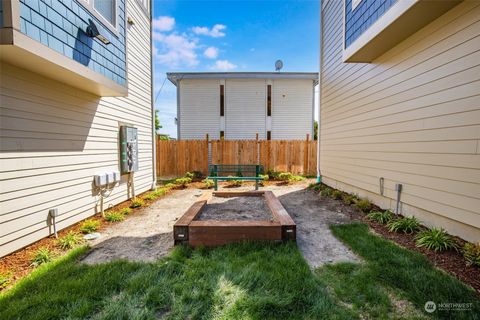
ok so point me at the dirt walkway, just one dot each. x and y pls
(147, 236)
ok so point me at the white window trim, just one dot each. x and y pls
(88, 4)
(355, 4)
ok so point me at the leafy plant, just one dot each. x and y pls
(435, 239)
(348, 199)
(171, 186)
(41, 256)
(137, 203)
(363, 205)
(336, 194)
(160, 192)
(89, 226)
(5, 278)
(114, 216)
(471, 252)
(264, 177)
(234, 183)
(316, 186)
(209, 183)
(189, 175)
(327, 192)
(405, 225)
(288, 177)
(273, 174)
(380, 217)
(125, 211)
(150, 196)
(183, 182)
(70, 240)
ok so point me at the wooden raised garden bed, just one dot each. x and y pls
(272, 225)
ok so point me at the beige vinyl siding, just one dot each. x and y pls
(54, 138)
(292, 109)
(412, 117)
(245, 108)
(199, 108)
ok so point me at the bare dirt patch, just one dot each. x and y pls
(236, 209)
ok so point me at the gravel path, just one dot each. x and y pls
(147, 235)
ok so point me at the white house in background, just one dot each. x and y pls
(238, 105)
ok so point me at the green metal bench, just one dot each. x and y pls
(228, 172)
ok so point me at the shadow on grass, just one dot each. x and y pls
(388, 266)
(243, 281)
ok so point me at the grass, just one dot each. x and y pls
(242, 281)
(245, 281)
(389, 267)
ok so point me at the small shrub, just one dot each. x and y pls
(471, 252)
(327, 192)
(285, 176)
(348, 199)
(125, 211)
(194, 175)
(150, 196)
(41, 256)
(264, 177)
(273, 174)
(209, 183)
(89, 226)
(363, 205)
(5, 279)
(171, 186)
(114, 216)
(336, 194)
(405, 225)
(160, 192)
(70, 240)
(435, 239)
(183, 182)
(380, 217)
(234, 183)
(137, 203)
(316, 186)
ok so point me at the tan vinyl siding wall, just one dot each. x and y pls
(245, 109)
(54, 138)
(412, 116)
(292, 109)
(199, 108)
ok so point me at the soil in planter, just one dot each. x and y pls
(236, 208)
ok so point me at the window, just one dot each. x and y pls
(269, 100)
(222, 135)
(269, 135)
(104, 10)
(222, 100)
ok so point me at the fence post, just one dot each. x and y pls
(207, 151)
(305, 157)
(258, 148)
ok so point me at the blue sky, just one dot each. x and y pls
(229, 36)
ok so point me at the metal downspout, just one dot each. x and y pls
(319, 174)
(154, 132)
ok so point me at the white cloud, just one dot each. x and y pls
(215, 31)
(175, 50)
(211, 53)
(223, 65)
(163, 23)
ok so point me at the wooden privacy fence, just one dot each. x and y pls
(174, 158)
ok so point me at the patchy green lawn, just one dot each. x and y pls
(244, 281)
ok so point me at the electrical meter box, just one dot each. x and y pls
(128, 149)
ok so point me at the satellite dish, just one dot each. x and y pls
(278, 65)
